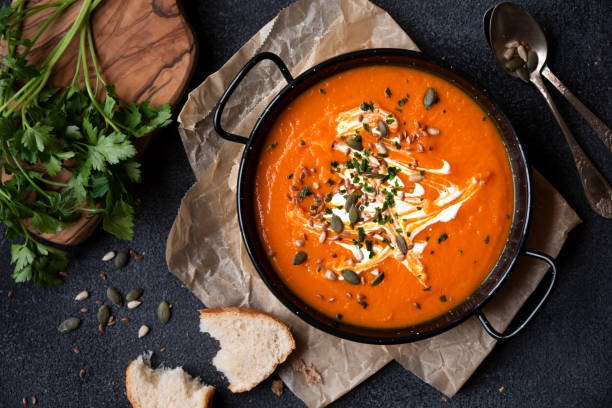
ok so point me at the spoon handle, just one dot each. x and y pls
(603, 131)
(596, 188)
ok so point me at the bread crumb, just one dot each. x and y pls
(310, 373)
(277, 387)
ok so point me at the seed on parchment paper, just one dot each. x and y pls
(109, 256)
(69, 325)
(122, 259)
(134, 304)
(82, 295)
(163, 312)
(134, 294)
(143, 331)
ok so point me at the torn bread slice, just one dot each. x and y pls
(252, 343)
(164, 387)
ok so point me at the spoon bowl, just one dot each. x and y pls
(508, 22)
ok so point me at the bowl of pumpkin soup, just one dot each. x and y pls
(382, 197)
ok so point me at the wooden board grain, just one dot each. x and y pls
(145, 48)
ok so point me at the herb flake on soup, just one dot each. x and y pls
(386, 199)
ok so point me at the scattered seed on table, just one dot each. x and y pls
(143, 331)
(63, 274)
(76, 350)
(82, 295)
(134, 294)
(34, 400)
(68, 325)
(103, 314)
(122, 259)
(109, 256)
(102, 276)
(10, 294)
(114, 296)
(125, 319)
(84, 310)
(24, 400)
(99, 302)
(134, 304)
(82, 372)
(163, 312)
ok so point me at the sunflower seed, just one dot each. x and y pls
(520, 50)
(300, 257)
(336, 224)
(114, 296)
(430, 98)
(433, 131)
(69, 325)
(143, 331)
(512, 44)
(330, 275)
(401, 244)
(134, 294)
(122, 259)
(416, 177)
(508, 53)
(382, 128)
(163, 312)
(103, 314)
(381, 149)
(299, 243)
(355, 143)
(351, 277)
(378, 279)
(133, 304)
(108, 256)
(353, 215)
(81, 296)
(323, 236)
(532, 60)
(514, 64)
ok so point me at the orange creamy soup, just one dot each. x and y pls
(384, 196)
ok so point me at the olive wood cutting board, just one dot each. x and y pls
(145, 48)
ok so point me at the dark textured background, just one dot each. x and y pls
(562, 359)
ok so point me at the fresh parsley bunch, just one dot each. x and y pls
(63, 152)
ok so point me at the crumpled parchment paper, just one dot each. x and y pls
(205, 250)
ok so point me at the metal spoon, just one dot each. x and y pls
(509, 22)
(601, 129)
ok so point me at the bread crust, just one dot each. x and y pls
(206, 401)
(245, 311)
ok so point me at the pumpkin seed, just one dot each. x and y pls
(378, 279)
(122, 259)
(532, 60)
(430, 98)
(382, 128)
(134, 294)
(355, 143)
(336, 224)
(523, 74)
(143, 331)
(81, 296)
(114, 296)
(133, 304)
(350, 202)
(353, 215)
(300, 257)
(69, 325)
(401, 244)
(108, 256)
(351, 277)
(330, 275)
(103, 314)
(163, 312)
(514, 64)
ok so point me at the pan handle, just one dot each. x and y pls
(234, 84)
(553, 271)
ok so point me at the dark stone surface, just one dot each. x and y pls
(562, 359)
